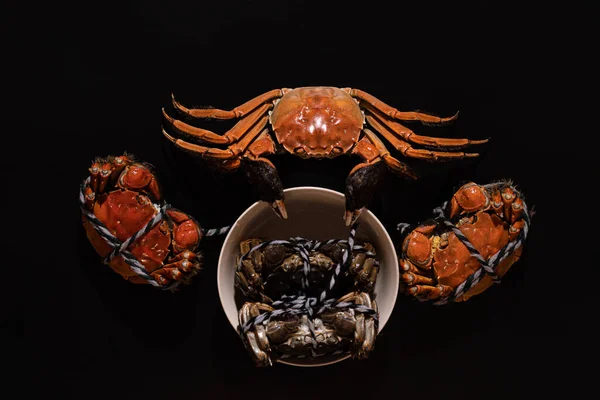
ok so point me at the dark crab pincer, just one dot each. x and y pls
(315, 122)
(307, 299)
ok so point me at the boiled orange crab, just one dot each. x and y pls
(473, 242)
(315, 122)
(128, 223)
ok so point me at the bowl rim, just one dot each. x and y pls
(396, 284)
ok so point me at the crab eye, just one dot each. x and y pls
(337, 150)
(299, 150)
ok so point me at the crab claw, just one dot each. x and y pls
(361, 184)
(264, 178)
(279, 208)
(468, 198)
(351, 216)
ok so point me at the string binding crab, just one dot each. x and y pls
(315, 122)
(140, 236)
(469, 245)
(307, 299)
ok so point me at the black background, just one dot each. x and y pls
(90, 80)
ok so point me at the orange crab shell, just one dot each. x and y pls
(317, 121)
(124, 213)
(452, 262)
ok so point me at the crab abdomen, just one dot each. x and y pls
(124, 213)
(453, 264)
(317, 122)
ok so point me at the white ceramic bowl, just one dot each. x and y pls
(314, 213)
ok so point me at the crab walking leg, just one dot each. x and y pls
(367, 272)
(256, 339)
(370, 327)
(407, 150)
(410, 278)
(394, 113)
(183, 265)
(395, 164)
(366, 327)
(262, 174)
(231, 136)
(509, 206)
(356, 265)
(425, 292)
(164, 274)
(409, 136)
(364, 270)
(237, 112)
(104, 173)
(506, 204)
(232, 151)
(119, 165)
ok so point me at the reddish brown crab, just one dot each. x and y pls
(436, 262)
(316, 122)
(123, 195)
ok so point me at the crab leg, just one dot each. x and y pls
(368, 268)
(104, 172)
(164, 274)
(183, 265)
(237, 112)
(90, 198)
(409, 136)
(231, 136)
(394, 113)
(366, 327)
(365, 270)
(370, 326)
(263, 175)
(411, 279)
(256, 339)
(390, 161)
(429, 292)
(407, 150)
(357, 263)
(232, 151)
(119, 164)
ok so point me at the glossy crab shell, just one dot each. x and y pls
(317, 122)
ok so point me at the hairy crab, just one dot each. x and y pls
(128, 223)
(315, 122)
(306, 299)
(476, 237)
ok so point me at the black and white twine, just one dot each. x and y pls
(487, 267)
(120, 248)
(301, 304)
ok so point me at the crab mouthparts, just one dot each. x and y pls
(279, 208)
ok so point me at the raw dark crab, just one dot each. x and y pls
(294, 308)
